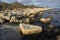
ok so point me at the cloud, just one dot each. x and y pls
(45, 3)
(34, 0)
(8, 1)
(21, 0)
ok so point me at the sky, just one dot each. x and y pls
(42, 3)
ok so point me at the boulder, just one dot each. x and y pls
(58, 37)
(45, 20)
(14, 20)
(27, 29)
(51, 26)
(20, 21)
(2, 20)
(1, 15)
(7, 17)
(27, 20)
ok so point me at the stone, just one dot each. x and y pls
(7, 17)
(12, 19)
(51, 26)
(27, 29)
(20, 21)
(45, 20)
(31, 15)
(2, 20)
(1, 15)
(27, 20)
(58, 37)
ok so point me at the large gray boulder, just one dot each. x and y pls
(27, 29)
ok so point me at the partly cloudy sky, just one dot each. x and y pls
(44, 3)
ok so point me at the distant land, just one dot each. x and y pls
(4, 5)
(39, 3)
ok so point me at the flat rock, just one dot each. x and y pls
(45, 20)
(2, 20)
(7, 17)
(30, 29)
(58, 37)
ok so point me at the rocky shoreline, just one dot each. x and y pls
(21, 15)
(30, 16)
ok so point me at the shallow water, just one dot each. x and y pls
(55, 18)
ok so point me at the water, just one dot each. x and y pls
(55, 13)
(56, 16)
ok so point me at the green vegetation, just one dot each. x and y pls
(4, 5)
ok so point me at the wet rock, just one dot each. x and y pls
(57, 31)
(51, 26)
(32, 12)
(45, 20)
(22, 13)
(27, 20)
(1, 15)
(20, 21)
(58, 37)
(31, 15)
(14, 20)
(30, 29)
(2, 20)
(7, 17)
(32, 19)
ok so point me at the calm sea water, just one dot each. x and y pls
(55, 14)
(56, 17)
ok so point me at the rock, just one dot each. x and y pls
(57, 31)
(5, 14)
(2, 20)
(7, 17)
(51, 26)
(58, 37)
(1, 15)
(31, 15)
(14, 20)
(45, 20)
(27, 20)
(30, 29)
(20, 21)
